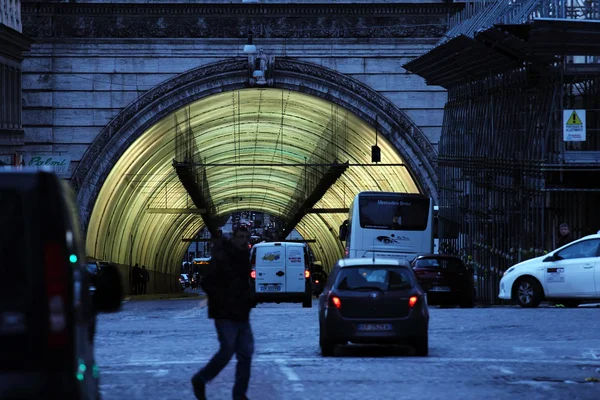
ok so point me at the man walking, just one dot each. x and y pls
(565, 235)
(227, 285)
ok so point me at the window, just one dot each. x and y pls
(585, 249)
(10, 90)
(450, 264)
(378, 277)
(394, 212)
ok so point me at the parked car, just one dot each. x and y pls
(569, 275)
(318, 278)
(373, 301)
(47, 312)
(446, 279)
(184, 280)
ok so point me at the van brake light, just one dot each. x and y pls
(253, 274)
(306, 273)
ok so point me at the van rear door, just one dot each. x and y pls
(295, 267)
(270, 269)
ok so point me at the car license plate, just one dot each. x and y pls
(440, 289)
(270, 288)
(374, 327)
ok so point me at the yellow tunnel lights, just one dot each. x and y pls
(236, 132)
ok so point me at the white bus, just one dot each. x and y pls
(388, 225)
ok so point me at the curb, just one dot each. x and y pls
(164, 296)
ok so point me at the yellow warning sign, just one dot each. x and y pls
(574, 119)
(574, 128)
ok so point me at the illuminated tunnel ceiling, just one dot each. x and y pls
(126, 227)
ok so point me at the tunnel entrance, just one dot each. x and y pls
(204, 145)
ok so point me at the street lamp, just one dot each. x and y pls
(249, 48)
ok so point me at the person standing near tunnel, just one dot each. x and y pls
(227, 286)
(565, 235)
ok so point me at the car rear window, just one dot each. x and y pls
(14, 278)
(380, 277)
(451, 264)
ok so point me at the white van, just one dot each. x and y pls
(280, 271)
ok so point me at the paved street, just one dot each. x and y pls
(151, 348)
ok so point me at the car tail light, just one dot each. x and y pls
(412, 301)
(337, 303)
(56, 278)
(346, 251)
(306, 273)
(316, 281)
(253, 274)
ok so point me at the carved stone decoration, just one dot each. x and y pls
(291, 74)
(260, 69)
(74, 20)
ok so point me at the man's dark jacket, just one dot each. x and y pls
(227, 284)
(566, 239)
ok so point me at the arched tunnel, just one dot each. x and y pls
(248, 150)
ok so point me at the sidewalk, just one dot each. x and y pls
(164, 296)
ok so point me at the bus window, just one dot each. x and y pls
(411, 214)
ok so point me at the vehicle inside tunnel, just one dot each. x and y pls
(288, 154)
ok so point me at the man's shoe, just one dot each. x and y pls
(199, 388)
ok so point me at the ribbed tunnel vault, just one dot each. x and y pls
(249, 126)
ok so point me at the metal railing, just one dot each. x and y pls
(482, 14)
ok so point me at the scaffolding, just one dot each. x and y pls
(321, 170)
(507, 177)
(189, 167)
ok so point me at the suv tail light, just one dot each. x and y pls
(56, 278)
(412, 301)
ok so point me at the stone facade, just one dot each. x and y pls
(91, 61)
(12, 46)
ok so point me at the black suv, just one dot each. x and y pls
(47, 312)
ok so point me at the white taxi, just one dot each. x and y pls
(569, 274)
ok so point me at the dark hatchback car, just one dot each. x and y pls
(47, 311)
(373, 301)
(446, 279)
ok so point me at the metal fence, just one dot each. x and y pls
(507, 177)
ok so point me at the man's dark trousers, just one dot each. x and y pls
(234, 337)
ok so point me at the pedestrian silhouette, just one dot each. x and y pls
(227, 286)
(145, 279)
(135, 279)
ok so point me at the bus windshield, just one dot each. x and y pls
(394, 212)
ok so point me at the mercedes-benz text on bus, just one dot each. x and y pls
(391, 225)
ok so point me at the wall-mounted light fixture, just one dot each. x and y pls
(249, 48)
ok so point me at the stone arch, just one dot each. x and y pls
(290, 74)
